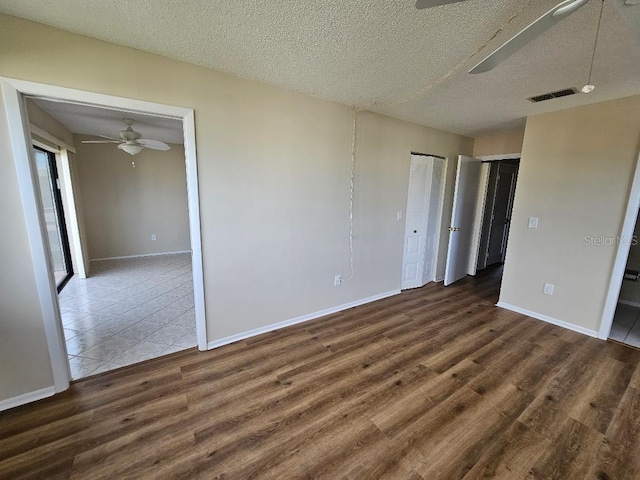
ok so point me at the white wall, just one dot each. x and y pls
(575, 176)
(274, 187)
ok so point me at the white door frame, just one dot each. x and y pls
(473, 265)
(622, 254)
(479, 217)
(13, 94)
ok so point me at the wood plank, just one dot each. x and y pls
(433, 383)
(618, 456)
(573, 448)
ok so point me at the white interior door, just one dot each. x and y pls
(461, 232)
(415, 234)
(434, 220)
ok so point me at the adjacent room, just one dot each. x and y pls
(365, 239)
(626, 321)
(118, 229)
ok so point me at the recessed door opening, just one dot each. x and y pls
(136, 301)
(481, 216)
(496, 221)
(626, 319)
(96, 313)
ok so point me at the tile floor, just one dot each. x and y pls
(128, 311)
(626, 325)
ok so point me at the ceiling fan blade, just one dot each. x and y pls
(532, 31)
(101, 141)
(153, 144)
(110, 138)
(421, 4)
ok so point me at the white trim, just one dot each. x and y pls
(140, 256)
(109, 102)
(546, 318)
(441, 214)
(301, 319)
(26, 398)
(478, 221)
(47, 136)
(630, 303)
(504, 156)
(20, 136)
(622, 254)
(45, 146)
(439, 279)
(189, 125)
(73, 222)
(13, 92)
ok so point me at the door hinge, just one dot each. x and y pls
(58, 183)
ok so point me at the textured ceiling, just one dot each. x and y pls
(382, 55)
(88, 120)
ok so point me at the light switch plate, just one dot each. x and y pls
(399, 215)
(533, 222)
(548, 289)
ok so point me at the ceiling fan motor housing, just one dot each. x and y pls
(129, 134)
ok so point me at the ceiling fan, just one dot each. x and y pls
(130, 141)
(533, 30)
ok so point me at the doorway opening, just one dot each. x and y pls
(621, 296)
(136, 300)
(481, 215)
(15, 94)
(626, 319)
(496, 220)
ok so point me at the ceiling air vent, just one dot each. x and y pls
(549, 96)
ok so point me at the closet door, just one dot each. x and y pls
(416, 226)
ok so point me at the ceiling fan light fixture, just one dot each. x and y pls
(588, 88)
(131, 148)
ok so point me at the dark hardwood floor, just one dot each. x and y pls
(435, 383)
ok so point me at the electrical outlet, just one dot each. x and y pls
(337, 280)
(548, 289)
(399, 215)
(533, 222)
(154, 237)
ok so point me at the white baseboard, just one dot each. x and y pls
(26, 398)
(140, 256)
(293, 321)
(546, 318)
(629, 302)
